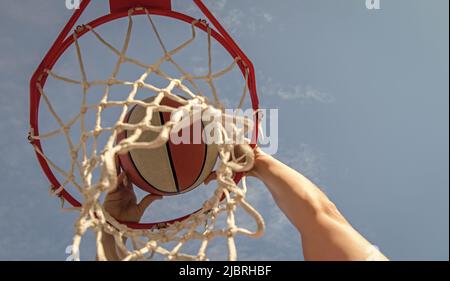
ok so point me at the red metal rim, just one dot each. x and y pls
(54, 55)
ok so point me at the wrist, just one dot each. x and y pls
(261, 163)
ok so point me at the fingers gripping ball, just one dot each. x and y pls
(171, 168)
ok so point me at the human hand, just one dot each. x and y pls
(122, 202)
(253, 172)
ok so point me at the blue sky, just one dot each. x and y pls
(363, 111)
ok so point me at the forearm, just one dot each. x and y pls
(109, 247)
(326, 234)
(296, 196)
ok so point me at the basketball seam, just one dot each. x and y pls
(204, 159)
(169, 154)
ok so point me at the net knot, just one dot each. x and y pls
(65, 129)
(111, 81)
(140, 84)
(83, 109)
(231, 232)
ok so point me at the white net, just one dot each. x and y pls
(88, 159)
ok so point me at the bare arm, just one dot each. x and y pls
(326, 234)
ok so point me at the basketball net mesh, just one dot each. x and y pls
(84, 160)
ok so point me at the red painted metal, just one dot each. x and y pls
(119, 9)
(121, 5)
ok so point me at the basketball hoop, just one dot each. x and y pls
(92, 216)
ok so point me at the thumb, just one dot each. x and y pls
(146, 201)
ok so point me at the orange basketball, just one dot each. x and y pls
(172, 168)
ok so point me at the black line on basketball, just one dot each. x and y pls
(204, 157)
(169, 153)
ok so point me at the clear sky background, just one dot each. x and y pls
(363, 111)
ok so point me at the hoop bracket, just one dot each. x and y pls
(121, 5)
